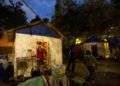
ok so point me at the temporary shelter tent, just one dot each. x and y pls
(98, 47)
(26, 43)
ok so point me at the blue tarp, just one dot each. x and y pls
(38, 30)
(115, 42)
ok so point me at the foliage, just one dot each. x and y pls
(92, 17)
(35, 19)
(11, 14)
(116, 12)
(116, 3)
(46, 20)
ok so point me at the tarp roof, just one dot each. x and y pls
(42, 30)
(38, 28)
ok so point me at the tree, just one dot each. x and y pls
(11, 15)
(116, 12)
(45, 20)
(67, 21)
(92, 17)
(99, 15)
(37, 18)
(116, 3)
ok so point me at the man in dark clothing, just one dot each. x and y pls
(74, 53)
(9, 71)
(1, 71)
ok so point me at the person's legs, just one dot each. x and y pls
(73, 66)
(91, 72)
(69, 65)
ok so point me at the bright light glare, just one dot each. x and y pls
(78, 41)
(107, 51)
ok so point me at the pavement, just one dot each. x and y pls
(107, 79)
(5, 84)
(108, 66)
(107, 73)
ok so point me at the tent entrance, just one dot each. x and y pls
(94, 50)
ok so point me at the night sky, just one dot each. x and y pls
(43, 8)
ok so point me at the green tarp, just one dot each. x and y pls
(37, 81)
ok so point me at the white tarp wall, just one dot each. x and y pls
(100, 46)
(23, 42)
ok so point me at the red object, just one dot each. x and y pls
(76, 49)
(41, 54)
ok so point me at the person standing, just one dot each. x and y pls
(1, 71)
(9, 71)
(74, 53)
